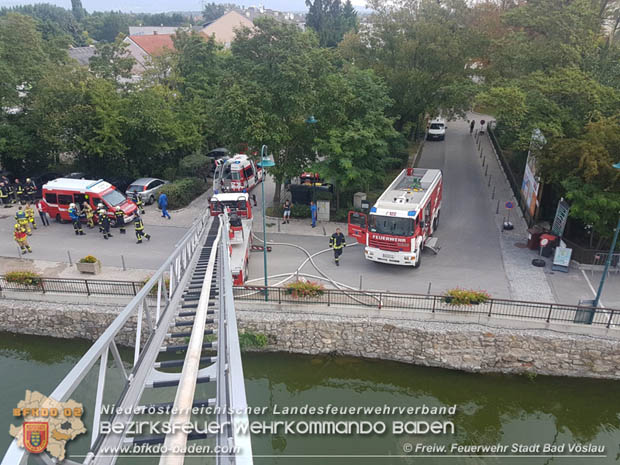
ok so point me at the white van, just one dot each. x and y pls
(436, 129)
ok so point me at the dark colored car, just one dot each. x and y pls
(120, 182)
(43, 178)
(216, 154)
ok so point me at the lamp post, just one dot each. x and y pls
(311, 120)
(609, 257)
(265, 163)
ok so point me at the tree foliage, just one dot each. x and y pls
(331, 20)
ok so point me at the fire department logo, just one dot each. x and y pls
(36, 434)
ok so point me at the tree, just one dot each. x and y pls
(212, 11)
(331, 20)
(112, 61)
(78, 10)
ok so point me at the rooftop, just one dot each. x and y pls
(155, 44)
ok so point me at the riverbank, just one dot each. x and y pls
(458, 342)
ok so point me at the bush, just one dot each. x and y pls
(153, 290)
(300, 289)
(181, 192)
(89, 259)
(27, 278)
(250, 340)
(465, 297)
(196, 164)
(300, 211)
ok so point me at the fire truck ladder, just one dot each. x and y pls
(198, 303)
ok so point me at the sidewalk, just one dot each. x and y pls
(527, 282)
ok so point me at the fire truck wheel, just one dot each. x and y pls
(436, 223)
(418, 259)
(246, 273)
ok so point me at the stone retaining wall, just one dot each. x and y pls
(468, 346)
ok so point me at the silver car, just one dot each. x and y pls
(146, 188)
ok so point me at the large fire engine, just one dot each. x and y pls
(237, 174)
(239, 210)
(402, 221)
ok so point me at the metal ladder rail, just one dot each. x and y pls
(144, 367)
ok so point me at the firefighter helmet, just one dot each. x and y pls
(99, 205)
(72, 205)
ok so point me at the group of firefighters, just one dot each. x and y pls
(16, 192)
(25, 222)
(100, 216)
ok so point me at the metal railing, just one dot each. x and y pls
(503, 308)
(147, 306)
(75, 286)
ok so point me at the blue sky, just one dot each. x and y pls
(156, 6)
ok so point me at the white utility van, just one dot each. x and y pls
(436, 129)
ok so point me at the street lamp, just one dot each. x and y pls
(609, 257)
(265, 162)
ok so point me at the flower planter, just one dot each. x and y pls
(89, 268)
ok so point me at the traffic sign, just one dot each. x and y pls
(509, 205)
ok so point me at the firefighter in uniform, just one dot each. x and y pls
(138, 201)
(22, 219)
(140, 230)
(104, 221)
(4, 195)
(31, 189)
(21, 237)
(19, 191)
(337, 242)
(90, 215)
(75, 219)
(11, 191)
(30, 215)
(120, 219)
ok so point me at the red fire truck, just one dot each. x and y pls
(239, 210)
(237, 174)
(400, 224)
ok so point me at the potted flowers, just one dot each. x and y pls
(89, 264)
(465, 297)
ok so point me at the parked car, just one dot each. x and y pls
(217, 154)
(437, 129)
(43, 178)
(121, 182)
(146, 188)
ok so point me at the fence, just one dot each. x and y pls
(556, 313)
(74, 286)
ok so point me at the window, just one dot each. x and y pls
(235, 175)
(155, 184)
(248, 172)
(65, 199)
(436, 126)
(79, 199)
(391, 225)
(51, 198)
(358, 219)
(113, 198)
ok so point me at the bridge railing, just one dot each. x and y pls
(523, 310)
(147, 305)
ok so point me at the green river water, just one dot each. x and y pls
(490, 409)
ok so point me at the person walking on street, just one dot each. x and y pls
(90, 215)
(42, 214)
(140, 230)
(482, 123)
(472, 124)
(75, 220)
(313, 213)
(286, 217)
(163, 204)
(120, 219)
(19, 233)
(104, 221)
(337, 242)
(30, 215)
(138, 201)
(22, 219)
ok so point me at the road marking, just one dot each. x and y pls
(600, 303)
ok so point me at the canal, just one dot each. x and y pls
(490, 409)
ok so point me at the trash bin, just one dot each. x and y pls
(533, 238)
(547, 244)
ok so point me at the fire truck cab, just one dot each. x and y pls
(237, 174)
(239, 210)
(403, 219)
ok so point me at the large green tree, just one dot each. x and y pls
(331, 20)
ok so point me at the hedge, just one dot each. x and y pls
(182, 191)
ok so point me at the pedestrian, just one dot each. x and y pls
(120, 220)
(163, 204)
(4, 195)
(19, 191)
(140, 230)
(313, 213)
(471, 126)
(22, 219)
(11, 192)
(21, 237)
(75, 220)
(254, 200)
(286, 217)
(482, 122)
(30, 215)
(31, 190)
(42, 214)
(90, 215)
(139, 203)
(104, 221)
(337, 243)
